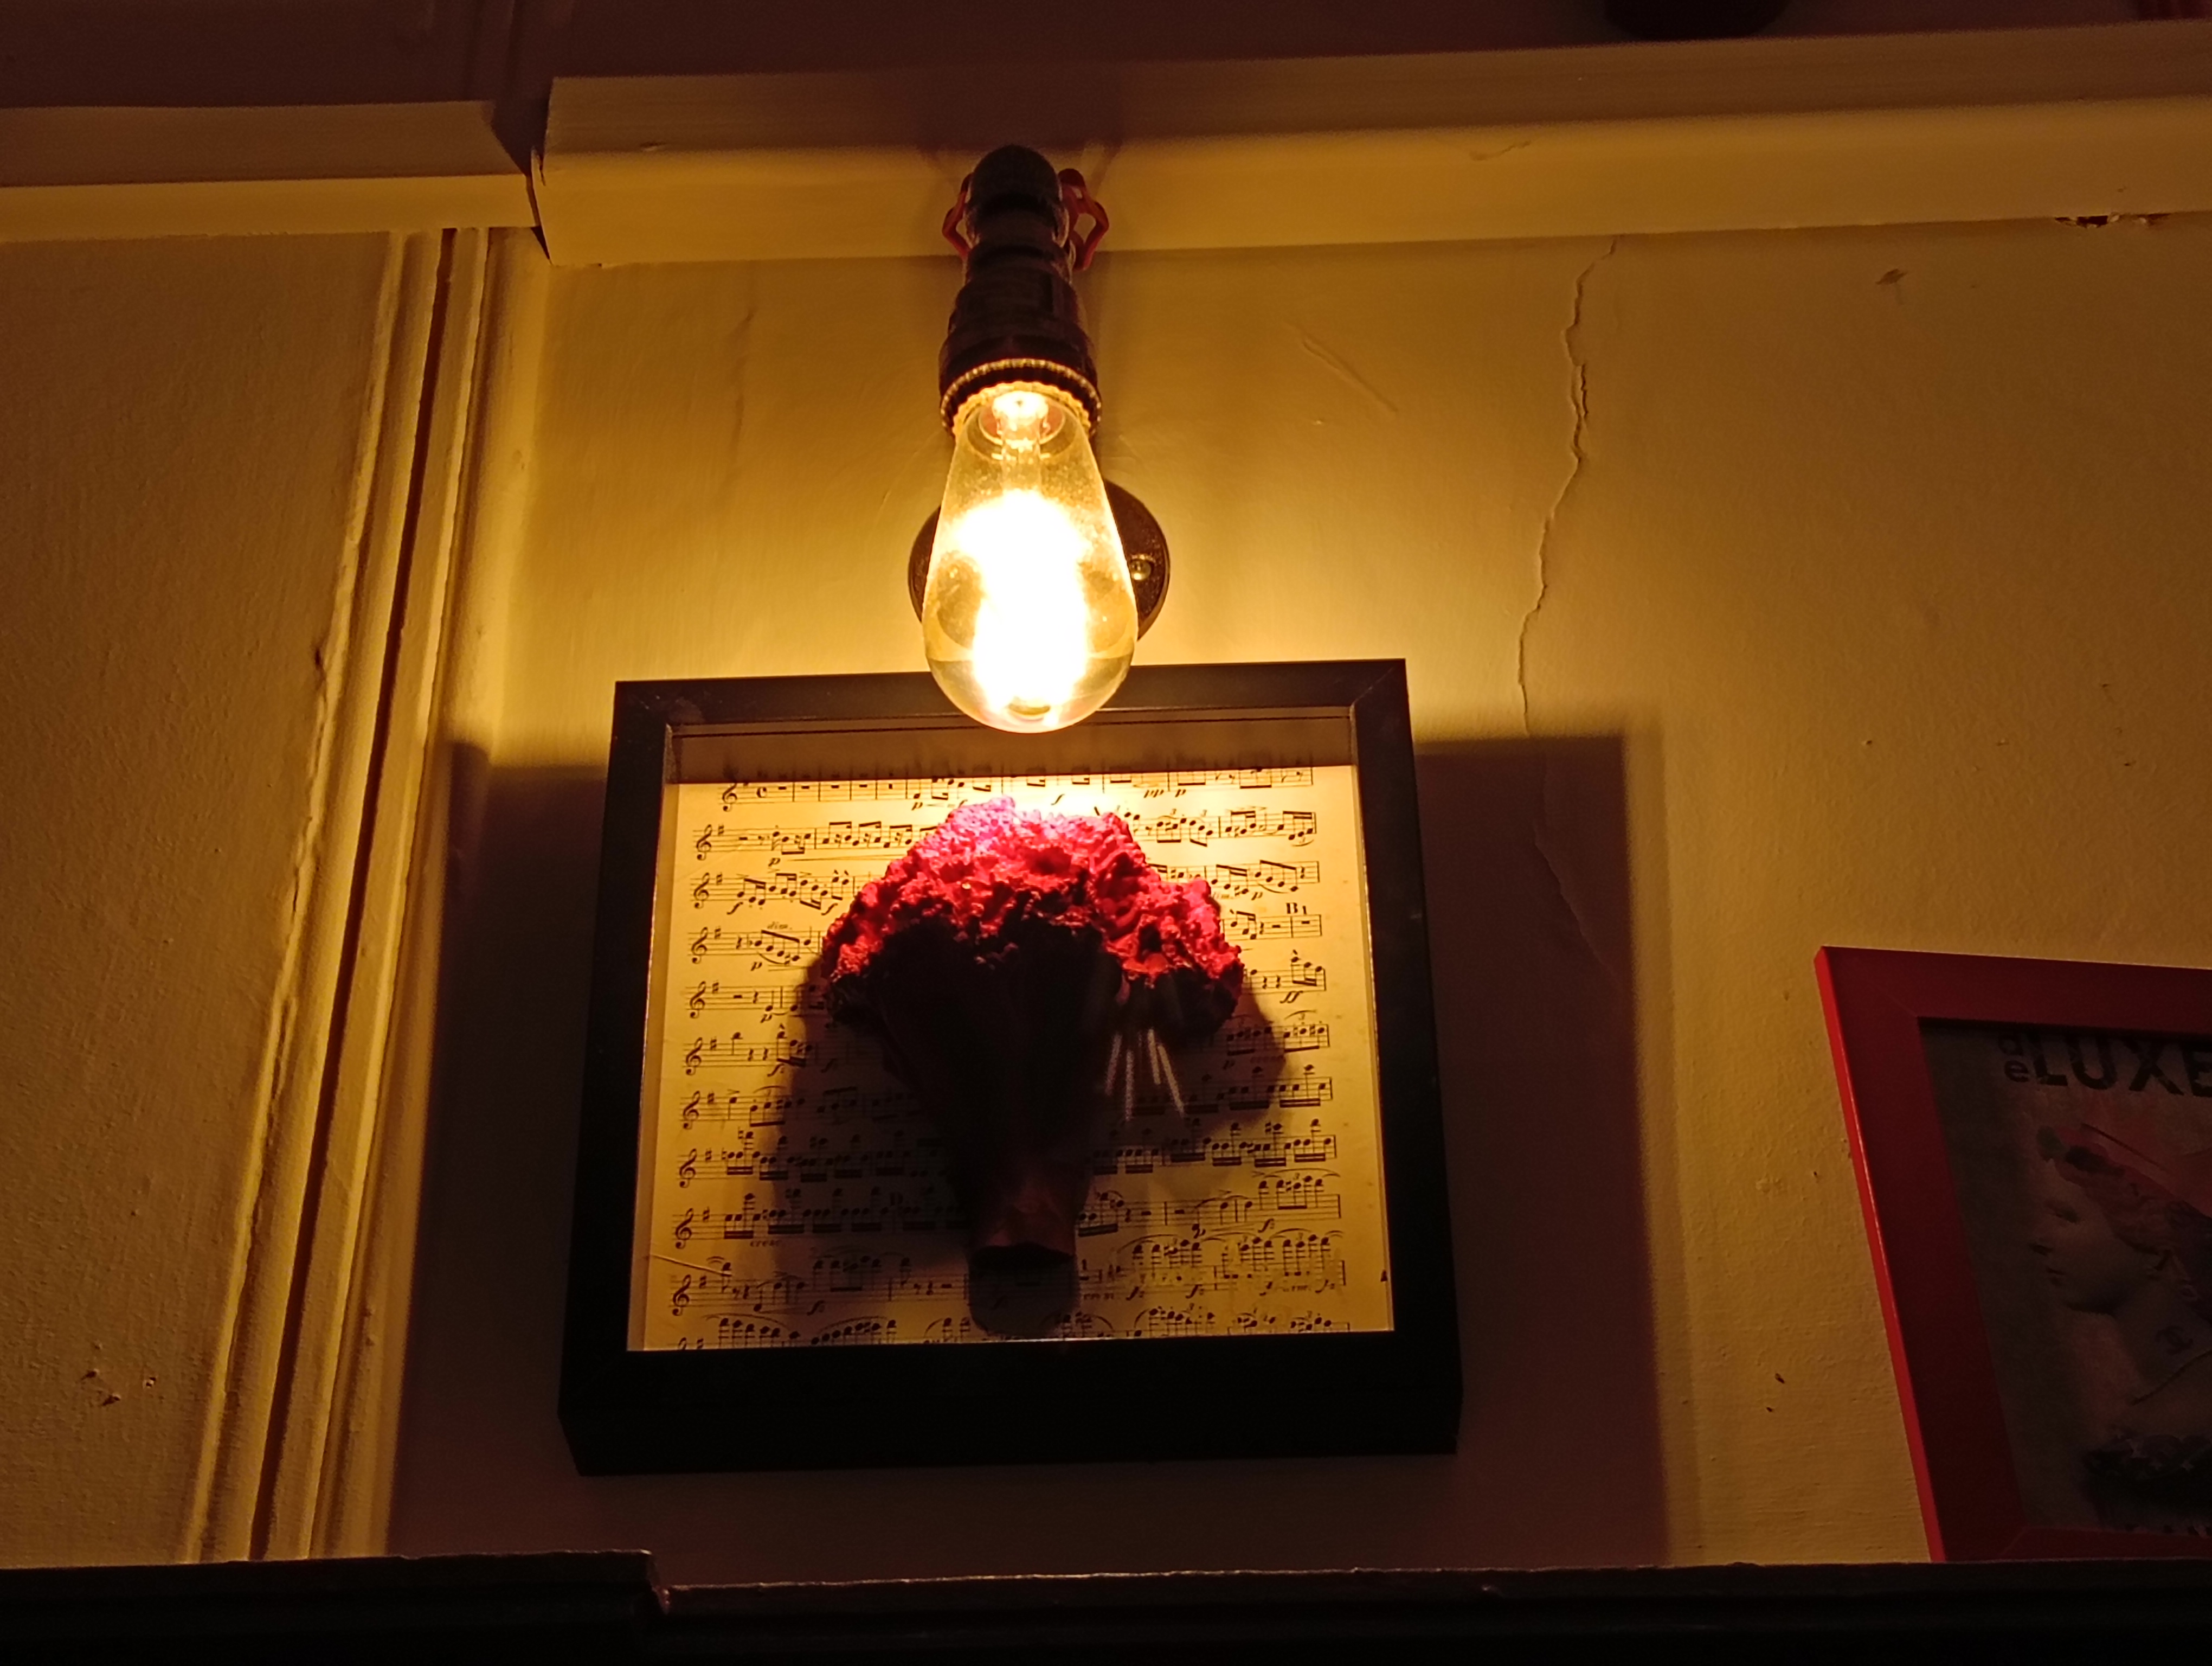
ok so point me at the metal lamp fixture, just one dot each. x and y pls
(1035, 579)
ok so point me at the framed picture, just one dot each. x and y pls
(771, 1261)
(2033, 1142)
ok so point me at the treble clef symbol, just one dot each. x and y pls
(690, 1111)
(688, 1170)
(699, 943)
(700, 892)
(691, 1056)
(681, 1299)
(699, 999)
(683, 1230)
(705, 842)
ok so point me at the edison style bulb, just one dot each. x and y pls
(1028, 617)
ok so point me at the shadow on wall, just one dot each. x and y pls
(1526, 849)
(1560, 1460)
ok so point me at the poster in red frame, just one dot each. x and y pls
(2033, 1145)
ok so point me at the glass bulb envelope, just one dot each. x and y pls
(1027, 618)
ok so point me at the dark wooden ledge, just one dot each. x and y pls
(607, 1606)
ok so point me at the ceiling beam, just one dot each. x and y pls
(100, 172)
(1710, 136)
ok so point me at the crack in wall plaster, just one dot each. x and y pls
(1578, 408)
(1349, 376)
(1506, 149)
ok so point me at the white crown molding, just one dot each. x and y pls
(102, 173)
(1699, 137)
(1742, 134)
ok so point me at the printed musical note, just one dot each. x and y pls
(1270, 1149)
(957, 789)
(1257, 881)
(1308, 1196)
(1232, 1264)
(772, 1107)
(732, 1331)
(1288, 1324)
(825, 894)
(872, 1329)
(885, 839)
(720, 1285)
(1299, 977)
(1299, 1032)
(1246, 926)
(763, 1000)
(1173, 827)
(732, 1053)
(1173, 1322)
(768, 948)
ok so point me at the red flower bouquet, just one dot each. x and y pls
(1013, 964)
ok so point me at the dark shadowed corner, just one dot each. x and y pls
(1526, 847)
(484, 1344)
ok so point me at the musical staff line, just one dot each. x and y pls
(825, 894)
(1250, 879)
(1313, 1196)
(1300, 1033)
(718, 1053)
(768, 948)
(1296, 827)
(772, 1107)
(767, 999)
(1300, 977)
(1248, 925)
(950, 789)
(1228, 1150)
(872, 838)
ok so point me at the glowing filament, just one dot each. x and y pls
(1029, 620)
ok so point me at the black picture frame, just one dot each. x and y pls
(628, 1410)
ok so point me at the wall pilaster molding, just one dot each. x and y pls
(297, 1460)
(445, 717)
(331, 1303)
(307, 1011)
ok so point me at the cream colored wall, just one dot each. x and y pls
(181, 518)
(1858, 607)
(232, 478)
(1757, 591)
(1890, 551)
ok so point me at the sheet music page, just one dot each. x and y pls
(792, 1191)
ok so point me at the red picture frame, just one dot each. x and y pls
(1968, 1462)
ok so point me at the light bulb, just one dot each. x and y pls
(1028, 617)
